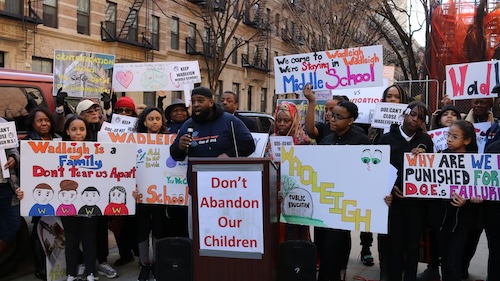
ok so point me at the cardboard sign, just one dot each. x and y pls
(387, 113)
(329, 70)
(439, 175)
(276, 143)
(77, 178)
(473, 80)
(154, 76)
(326, 195)
(82, 74)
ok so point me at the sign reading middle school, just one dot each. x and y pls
(439, 175)
(473, 80)
(63, 178)
(330, 70)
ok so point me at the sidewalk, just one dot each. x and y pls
(477, 270)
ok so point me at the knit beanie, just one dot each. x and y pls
(125, 102)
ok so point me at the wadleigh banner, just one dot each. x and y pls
(330, 70)
(473, 80)
(439, 175)
(346, 194)
(230, 211)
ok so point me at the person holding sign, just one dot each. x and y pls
(334, 245)
(406, 216)
(454, 220)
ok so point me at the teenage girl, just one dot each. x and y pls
(454, 220)
(150, 217)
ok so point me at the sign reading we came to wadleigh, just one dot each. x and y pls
(230, 211)
(154, 76)
(77, 178)
(82, 74)
(439, 175)
(160, 179)
(473, 80)
(345, 194)
(329, 70)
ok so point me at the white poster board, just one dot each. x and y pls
(276, 143)
(347, 194)
(387, 113)
(230, 212)
(51, 234)
(439, 136)
(260, 140)
(77, 178)
(473, 80)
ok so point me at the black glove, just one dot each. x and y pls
(106, 99)
(60, 97)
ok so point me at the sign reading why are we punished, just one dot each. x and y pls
(439, 175)
(230, 211)
(329, 70)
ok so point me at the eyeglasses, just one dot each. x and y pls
(453, 137)
(125, 110)
(339, 117)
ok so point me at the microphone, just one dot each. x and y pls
(190, 130)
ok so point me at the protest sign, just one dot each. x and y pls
(439, 175)
(51, 234)
(260, 140)
(439, 136)
(77, 178)
(108, 127)
(154, 76)
(329, 70)
(160, 179)
(230, 211)
(8, 139)
(326, 195)
(319, 110)
(82, 74)
(473, 80)
(123, 120)
(387, 113)
(276, 143)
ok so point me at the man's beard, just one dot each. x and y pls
(202, 117)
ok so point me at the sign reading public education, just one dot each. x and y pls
(329, 70)
(473, 80)
(439, 175)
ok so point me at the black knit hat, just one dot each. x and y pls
(351, 108)
(206, 92)
(175, 103)
(453, 108)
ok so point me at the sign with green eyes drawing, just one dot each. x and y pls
(336, 186)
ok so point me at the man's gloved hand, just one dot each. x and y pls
(60, 97)
(106, 99)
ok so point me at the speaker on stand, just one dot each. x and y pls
(297, 261)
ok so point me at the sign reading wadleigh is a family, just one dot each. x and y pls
(439, 175)
(329, 70)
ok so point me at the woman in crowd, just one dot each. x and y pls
(125, 106)
(176, 114)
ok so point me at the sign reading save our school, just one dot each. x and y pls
(327, 195)
(439, 175)
(77, 178)
(472, 80)
(230, 211)
(329, 70)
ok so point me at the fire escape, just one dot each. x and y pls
(15, 10)
(129, 31)
(258, 17)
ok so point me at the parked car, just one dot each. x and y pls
(265, 122)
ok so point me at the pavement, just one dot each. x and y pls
(477, 270)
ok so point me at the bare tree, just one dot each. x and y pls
(222, 21)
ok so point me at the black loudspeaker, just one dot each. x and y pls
(174, 259)
(297, 261)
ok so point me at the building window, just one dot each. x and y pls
(155, 31)
(41, 65)
(218, 91)
(149, 98)
(277, 24)
(263, 100)
(50, 13)
(236, 12)
(82, 17)
(110, 16)
(191, 40)
(206, 41)
(249, 97)
(14, 6)
(177, 95)
(234, 56)
(174, 34)
(236, 90)
(2, 59)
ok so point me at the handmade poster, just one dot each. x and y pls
(439, 175)
(439, 136)
(473, 80)
(319, 110)
(115, 128)
(126, 121)
(319, 95)
(63, 178)
(387, 113)
(329, 70)
(51, 234)
(8, 135)
(346, 194)
(230, 212)
(260, 140)
(160, 179)
(366, 99)
(276, 143)
(82, 73)
(154, 76)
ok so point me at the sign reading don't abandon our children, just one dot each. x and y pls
(327, 195)
(329, 70)
(77, 178)
(439, 175)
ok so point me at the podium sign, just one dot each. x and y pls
(234, 218)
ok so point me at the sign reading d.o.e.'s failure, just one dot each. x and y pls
(439, 175)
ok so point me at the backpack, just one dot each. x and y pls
(491, 134)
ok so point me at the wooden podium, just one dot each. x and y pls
(238, 229)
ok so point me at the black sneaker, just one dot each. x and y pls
(144, 273)
(430, 274)
(366, 257)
